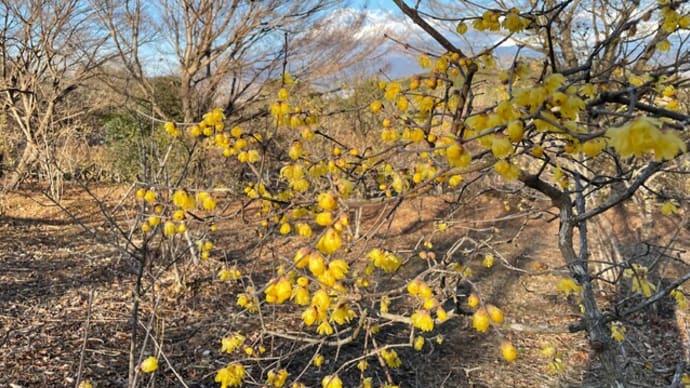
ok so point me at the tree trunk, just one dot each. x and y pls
(23, 166)
(186, 94)
(597, 329)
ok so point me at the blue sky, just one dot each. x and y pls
(386, 5)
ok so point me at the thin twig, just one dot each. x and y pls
(86, 337)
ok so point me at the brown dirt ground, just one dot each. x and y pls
(54, 275)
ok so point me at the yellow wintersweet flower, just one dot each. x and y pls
(618, 331)
(567, 286)
(414, 83)
(330, 242)
(230, 344)
(668, 91)
(488, 261)
(229, 274)
(426, 104)
(310, 315)
(442, 64)
(402, 103)
(295, 151)
(207, 201)
(506, 112)
(149, 365)
(324, 218)
(441, 314)
(392, 91)
(670, 20)
(183, 200)
(285, 228)
(279, 291)
(507, 170)
(457, 156)
(194, 131)
(342, 315)
(85, 384)
(389, 135)
(425, 291)
(515, 130)
(501, 147)
(385, 304)
(495, 313)
(537, 151)
(593, 147)
(513, 22)
(246, 300)
(643, 135)
(327, 279)
(331, 381)
(321, 300)
(508, 351)
(327, 201)
(429, 303)
(679, 296)
(387, 261)
(669, 208)
(664, 45)
(318, 360)
(283, 94)
(154, 220)
(418, 343)
(684, 21)
(424, 61)
(150, 196)
(230, 376)
(236, 132)
(301, 258)
(277, 379)
(422, 320)
(391, 358)
(416, 135)
(640, 283)
(303, 229)
(376, 106)
(316, 263)
(214, 117)
(413, 287)
(338, 268)
(325, 328)
(171, 129)
(554, 81)
(473, 300)
(480, 320)
(301, 296)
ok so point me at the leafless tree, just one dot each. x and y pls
(48, 49)
(223, 50)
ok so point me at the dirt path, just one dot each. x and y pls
(53, 277)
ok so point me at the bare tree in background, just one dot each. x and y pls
(223, 50)
(48, 49)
